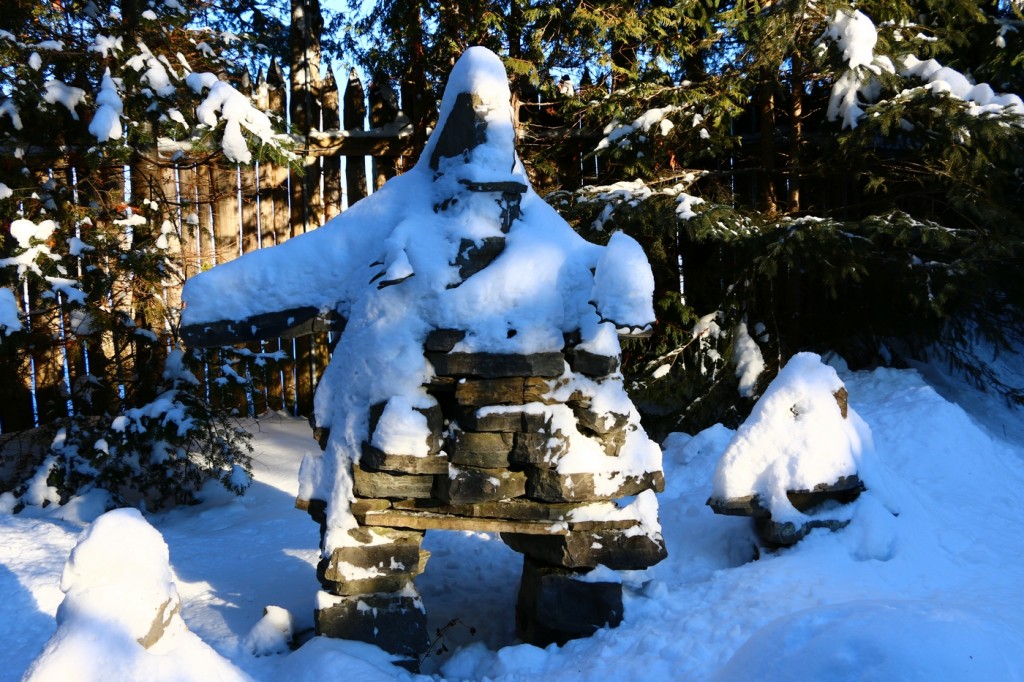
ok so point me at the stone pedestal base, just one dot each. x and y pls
(394, 621)
(556, 606)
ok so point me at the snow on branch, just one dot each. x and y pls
(855, 36)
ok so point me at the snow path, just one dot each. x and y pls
(935, 592)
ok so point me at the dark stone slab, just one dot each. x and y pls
(497, 365)
(285, 324)
(842, 397)
(379, 484)
(382, 283)
(554, 606)
(374, 459)
(788, 533)
(393, 621)
(475, 256)
(550, 486)
(443, 340)
(428, 520)
(503, 187)
(615, 548)
(600, 423)
(360, 506)
(591, 364)
(435, 424)
(518, 509)
(844, 490)
(748, 505)
(317, 509)
(476, 393)
(539, 450)
(463, 131)
(386, 567)
(612, 443)
(507, 421)
(485, 450)
(321, 436)
(465, 485)
(494, 422)
(389, 582)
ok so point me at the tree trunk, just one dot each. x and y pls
(796, 127)
(766, 148)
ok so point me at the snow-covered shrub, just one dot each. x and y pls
(156, 454)
(95, 105)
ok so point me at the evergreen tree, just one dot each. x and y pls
(820, 185)
(94, 104)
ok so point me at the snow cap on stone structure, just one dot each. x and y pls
(459, 242)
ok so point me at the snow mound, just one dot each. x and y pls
(795, 438)
(120, 615)
(272, 634)
(623, 284)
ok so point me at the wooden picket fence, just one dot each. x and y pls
(223, 211)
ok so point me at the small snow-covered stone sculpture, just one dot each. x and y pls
(120, 618)
(475, 385)
(795, 456)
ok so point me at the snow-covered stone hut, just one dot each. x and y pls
(475, 384)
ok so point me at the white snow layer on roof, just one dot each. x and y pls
(540, 286)
(795, 438)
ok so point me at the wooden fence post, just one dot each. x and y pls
(226, 211)
(276, 187)
(250, 228)
(383, 110)
(355, 119)
(331, 165)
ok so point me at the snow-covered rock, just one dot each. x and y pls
(120, 618)
(802, 437)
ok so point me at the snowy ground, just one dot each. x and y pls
(936, 592)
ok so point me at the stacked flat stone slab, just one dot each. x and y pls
(453, 258)
(491, 466)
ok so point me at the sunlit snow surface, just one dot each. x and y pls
(935, 593)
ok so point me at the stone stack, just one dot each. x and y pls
(844, 490)
(534, 446)
(492, 466)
